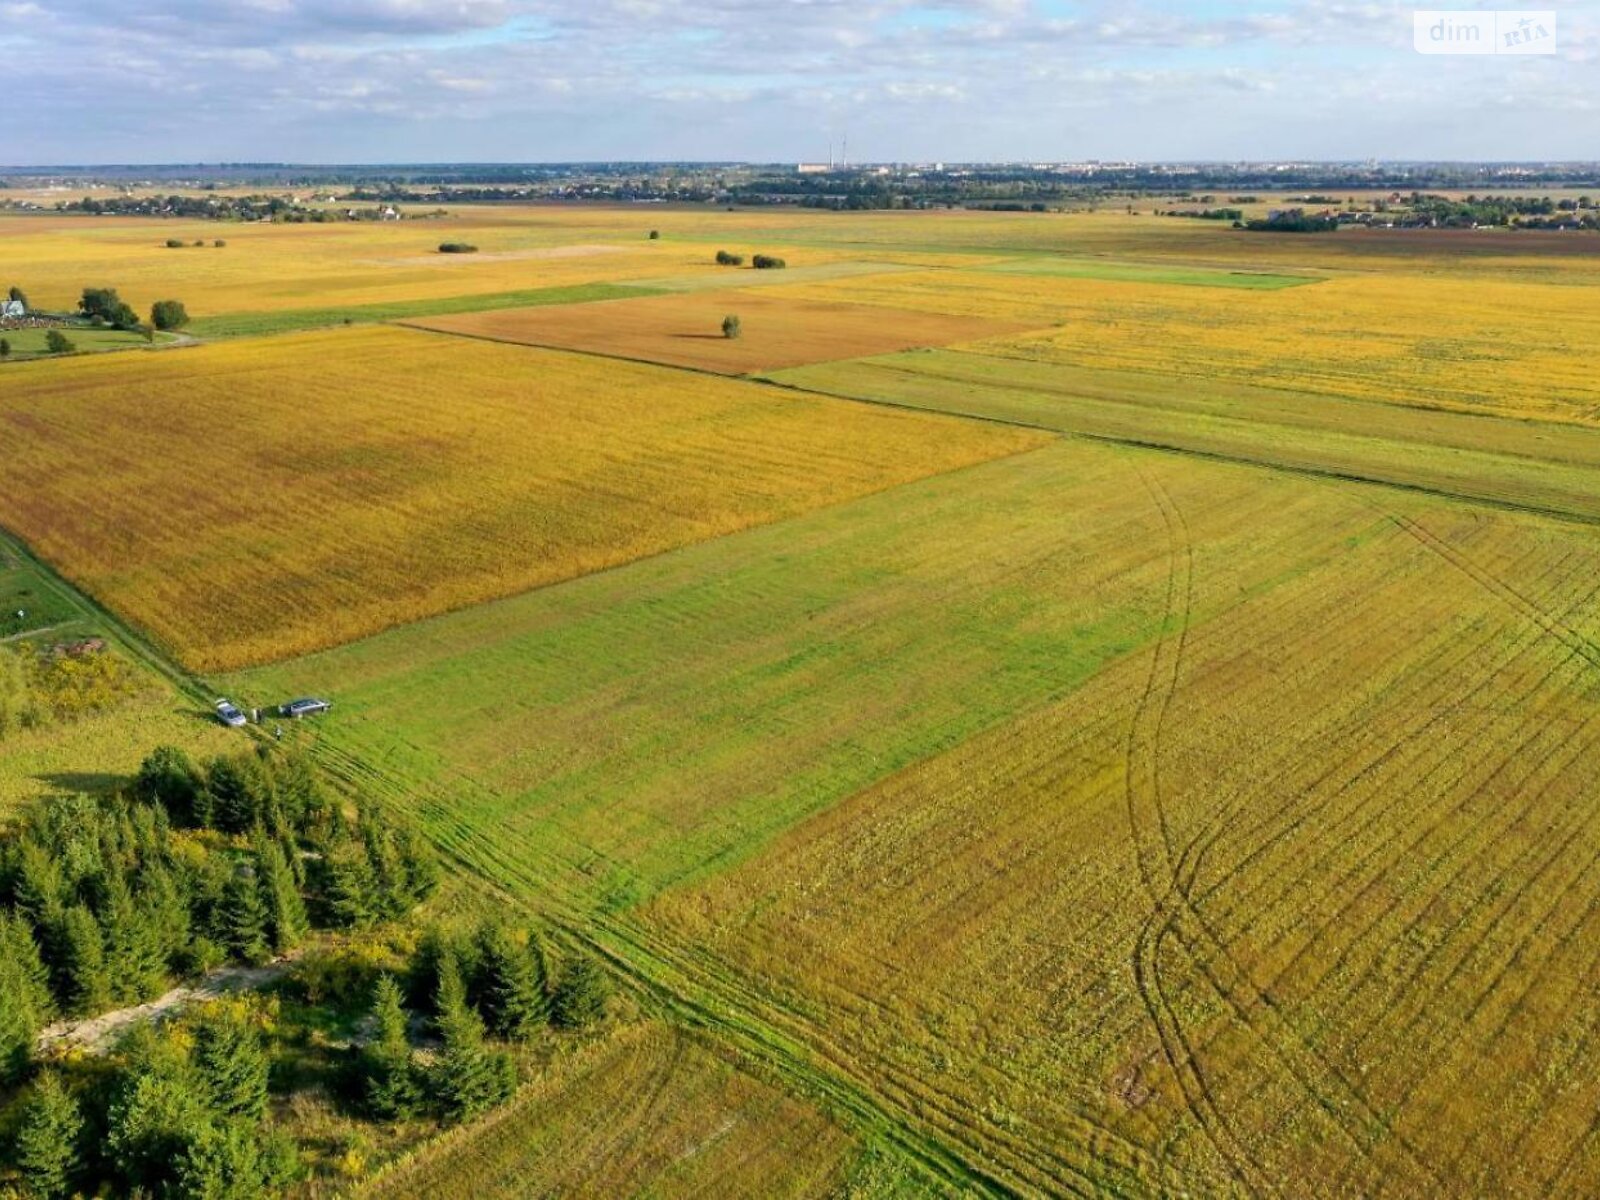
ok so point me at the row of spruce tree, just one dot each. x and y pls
(105, 900)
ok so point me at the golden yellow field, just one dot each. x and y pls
(1395, 338)
(685, 330)
(248, 501)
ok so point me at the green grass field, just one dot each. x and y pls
(260, 324)
(30, 343)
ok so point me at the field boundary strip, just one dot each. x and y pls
(1242, 460)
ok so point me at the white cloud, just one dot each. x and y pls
(771, 79)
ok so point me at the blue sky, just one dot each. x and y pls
(773, 80)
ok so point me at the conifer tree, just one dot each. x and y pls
(47, 1152)
(470, 1077)
(135, 957)
(348, 886)
(244, 917)
(388, 1073)
(391, 884)
(220, 1160)
(580, 998)
(232, 1063)
(510, 990)
(86, 985)
(167, 777)
(286, 912)
(25, 1001)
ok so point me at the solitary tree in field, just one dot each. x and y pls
(57, 342)
(168, 314)
(731, 327)
(655, 234)
(5, 348)
(17, 293)
(47, 1153)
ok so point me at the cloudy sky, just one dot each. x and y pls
(97, 81)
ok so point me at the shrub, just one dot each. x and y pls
(655, 234)
(5, 348)
(57, 342)
(168, 314)
(219, 243)
(174, 243)
(724, 259)
(731, 327)
(457, 248)
(767, 262)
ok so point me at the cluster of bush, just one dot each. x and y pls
(1209, 214)
(761, 262)
(38, 689)
(179, 243)
(457, 248)
(105, 900)
(1293, 220)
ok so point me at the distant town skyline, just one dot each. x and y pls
(776, 80)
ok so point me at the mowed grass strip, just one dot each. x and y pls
(686, 330)
(253, 500)
(644, 1111)
(249, 324)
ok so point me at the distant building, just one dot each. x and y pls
(11, 310)
(814, 168)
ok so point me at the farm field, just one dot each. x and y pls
(279, 496)
(1358, 718)
(1108, 708)
(1541, 466)
(646, 1111)
(685, 330)
(1393, 339)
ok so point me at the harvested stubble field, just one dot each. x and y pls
(253, 500)
(646, 1111)
(685, 330)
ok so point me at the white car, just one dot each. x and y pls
(229, 715)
